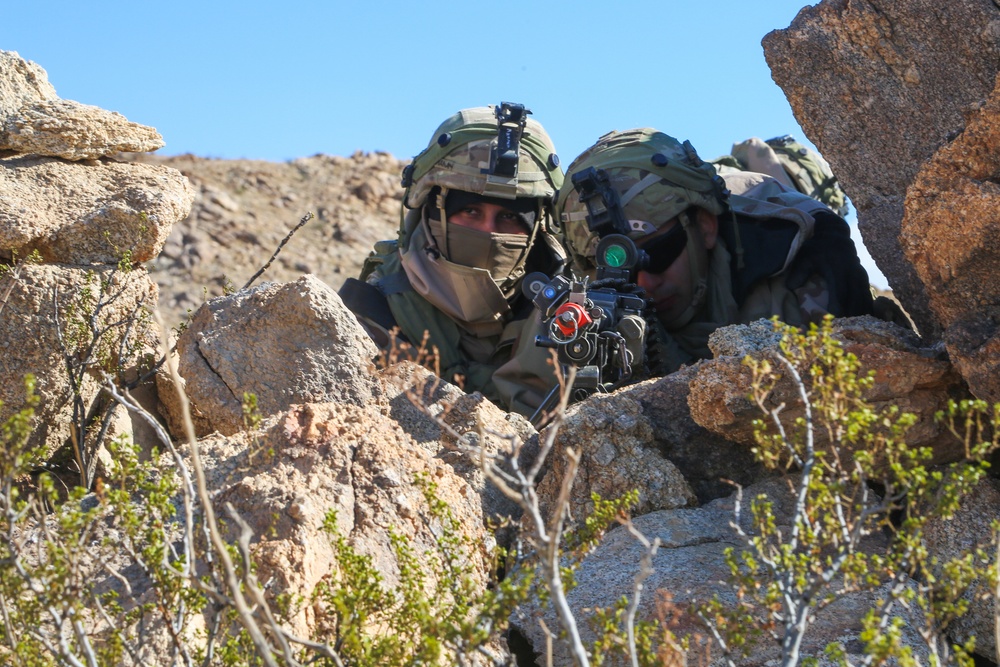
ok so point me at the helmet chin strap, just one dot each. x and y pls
(443, 216)
(699, 271)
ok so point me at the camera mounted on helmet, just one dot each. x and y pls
(502, 176)
(511, 119)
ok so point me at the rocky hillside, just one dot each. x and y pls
(902, 96)
(244, 208)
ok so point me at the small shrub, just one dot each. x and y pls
(854, 477)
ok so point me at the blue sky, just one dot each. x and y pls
(279, 80)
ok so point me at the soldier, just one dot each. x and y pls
(477, 217)
(720, 252)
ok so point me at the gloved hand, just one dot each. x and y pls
(831, 255)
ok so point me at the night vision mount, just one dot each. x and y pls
(501, 178)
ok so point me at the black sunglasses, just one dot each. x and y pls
(665, 249)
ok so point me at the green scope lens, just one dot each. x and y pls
(615, 256)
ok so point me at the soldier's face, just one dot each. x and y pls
(673, 288)
(489, 218)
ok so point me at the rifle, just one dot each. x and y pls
(600, 327)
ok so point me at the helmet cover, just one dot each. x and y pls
(656, 177)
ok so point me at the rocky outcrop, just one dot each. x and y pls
(915, 378)
(879, 86)
(689, 567)
(88, 213)
(285, 344)
(35, 121)
(646, 436)
(364, 462)
(949, 233)
(447, 422)
(90, 220)
(332, 457)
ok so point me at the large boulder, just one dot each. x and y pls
(363, 462)
(879, 86)
(949, 233)
(689, 566)
(908, 374)
(343, 458)
(283, 480)
(285, 343)
(88, 213)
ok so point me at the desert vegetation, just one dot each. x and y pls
(142, 563)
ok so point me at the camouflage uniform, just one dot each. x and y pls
(778, 252)
(410, 294)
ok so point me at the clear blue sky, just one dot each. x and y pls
(279, 80)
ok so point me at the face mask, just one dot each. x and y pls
(466, 294)
(500, 254)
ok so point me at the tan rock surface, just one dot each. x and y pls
(343, 458)
(949, 233)
(879, 86)
(34, 121)
(447, 422)
(285, 343)
(30, 323)
(83, 213)
(969, 529)
(707, 460)
(618, 454)
(908, 375)
(22, 83)
(689, 566)
(74, 131)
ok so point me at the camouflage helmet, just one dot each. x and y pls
(656, 178)
(467, 153)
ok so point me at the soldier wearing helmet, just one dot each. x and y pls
(477, 217)
(720, 251)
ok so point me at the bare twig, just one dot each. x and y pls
(306, 218)
(645, 572)
(232, 582)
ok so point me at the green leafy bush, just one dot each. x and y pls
(854, 478)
